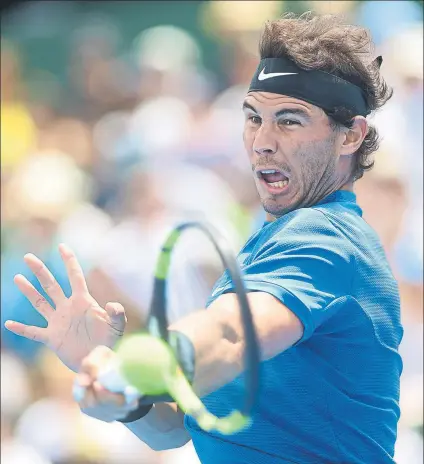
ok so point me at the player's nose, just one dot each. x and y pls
(264, 142)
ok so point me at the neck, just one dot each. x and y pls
(270, 218)
(347, 187)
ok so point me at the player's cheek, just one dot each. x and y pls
(248, 142)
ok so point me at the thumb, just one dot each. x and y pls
(116, 313)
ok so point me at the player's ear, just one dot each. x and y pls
(354, 136)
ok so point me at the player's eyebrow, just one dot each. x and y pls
(247, 106)
(282, 112)
(293, 111)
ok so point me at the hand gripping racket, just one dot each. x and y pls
(150, 364)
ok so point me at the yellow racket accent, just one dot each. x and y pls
(149, 365)
(162, 267)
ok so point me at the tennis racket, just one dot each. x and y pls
(150, 364)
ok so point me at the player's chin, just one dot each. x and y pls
(277, 208)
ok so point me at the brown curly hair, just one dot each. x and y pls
(328, 43)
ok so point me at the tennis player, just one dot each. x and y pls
(324, 301)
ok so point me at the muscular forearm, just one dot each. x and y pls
(217, 337)
(217, 349)
(162, 428)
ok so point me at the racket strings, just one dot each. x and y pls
(159, 313)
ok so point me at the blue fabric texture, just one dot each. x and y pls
(334, 396)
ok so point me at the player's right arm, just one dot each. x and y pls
(162, 428)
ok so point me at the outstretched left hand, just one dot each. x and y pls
(77, 324)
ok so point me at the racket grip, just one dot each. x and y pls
(112, 379)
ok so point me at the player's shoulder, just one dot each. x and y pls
(301, 222)
(303, 228)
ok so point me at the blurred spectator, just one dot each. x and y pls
(16, 391)
(18, 131)
(101, 80)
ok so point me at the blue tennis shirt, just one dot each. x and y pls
(334, 396)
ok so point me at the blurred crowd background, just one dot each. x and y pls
(120, 119)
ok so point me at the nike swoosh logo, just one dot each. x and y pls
(262, 76)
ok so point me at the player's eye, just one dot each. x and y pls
(254, 119)
(288, 122)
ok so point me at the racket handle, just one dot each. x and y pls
(111, 379)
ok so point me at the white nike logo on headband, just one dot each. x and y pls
(262, 76)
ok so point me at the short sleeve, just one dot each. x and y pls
(307, 264)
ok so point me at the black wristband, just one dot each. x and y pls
(138, 413)
(184, 351)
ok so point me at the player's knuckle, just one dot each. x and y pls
(87, 363)
(40, 302)
(38, 269)
(102, 352)
(39, 273)
(49, 283)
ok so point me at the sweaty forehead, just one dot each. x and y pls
(263, 101)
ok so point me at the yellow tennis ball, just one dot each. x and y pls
(147, 363)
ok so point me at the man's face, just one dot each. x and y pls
(293, 150)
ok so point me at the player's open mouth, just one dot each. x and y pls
(275, 181)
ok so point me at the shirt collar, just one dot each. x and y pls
(338, 196)
(344, 196)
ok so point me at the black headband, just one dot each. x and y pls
(327, 91)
